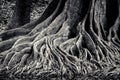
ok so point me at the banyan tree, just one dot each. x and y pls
(71, 36)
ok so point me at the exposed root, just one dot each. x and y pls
(50, 49)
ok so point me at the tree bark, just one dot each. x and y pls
(78, 37)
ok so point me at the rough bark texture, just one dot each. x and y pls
(75, 37)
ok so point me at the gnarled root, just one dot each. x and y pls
(50, 49)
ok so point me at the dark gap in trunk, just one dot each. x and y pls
(88, 56)
(87, 23)
(85, 8)
(118, 32)
(87, 28)
(81, 14)
(112, 34)
(111, 13)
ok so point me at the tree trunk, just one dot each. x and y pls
(73, 37)
(21, 14)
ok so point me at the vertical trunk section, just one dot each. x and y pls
(21, 14)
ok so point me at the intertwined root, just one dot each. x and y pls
(55, 52)
(50, 49)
